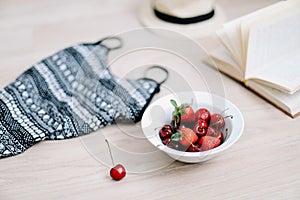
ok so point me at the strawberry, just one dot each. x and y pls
(188, 115)
(181, 113)
(188, 137)
(208, 142)
(185, 137)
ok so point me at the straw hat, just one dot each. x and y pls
(194, 18)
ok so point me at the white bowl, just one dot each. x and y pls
(159, 113)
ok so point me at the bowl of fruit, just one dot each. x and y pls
(193, 126)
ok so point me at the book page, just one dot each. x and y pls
(270, 42)
(287, 81)
(226, 43)
(225, 40)
(232, 30)
(288, 102)
(249, 19)
(235, 38)
(226, 64)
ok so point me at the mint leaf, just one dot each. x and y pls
(173, 102)
(182, 112)
(183, 105)
(176, 137)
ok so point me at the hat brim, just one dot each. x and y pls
(197, 30)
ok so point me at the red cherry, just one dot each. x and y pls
(165, 131)
(215, 133)
(194, 148)
(203, 114)
(202, 124)
(217, 120)
(118, 172)
(167, 141)
(199, 131)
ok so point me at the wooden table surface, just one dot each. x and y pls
(263, 164)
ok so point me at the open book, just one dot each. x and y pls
(262, 50)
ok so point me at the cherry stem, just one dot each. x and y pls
(226, 131)
(192, 101)
(213, 124)
(231, 116)
(219, 120)
(112, 160)
(224, 111)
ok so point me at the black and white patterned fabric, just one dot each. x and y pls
(68, 94)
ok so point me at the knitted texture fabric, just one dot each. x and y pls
(68, 94)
